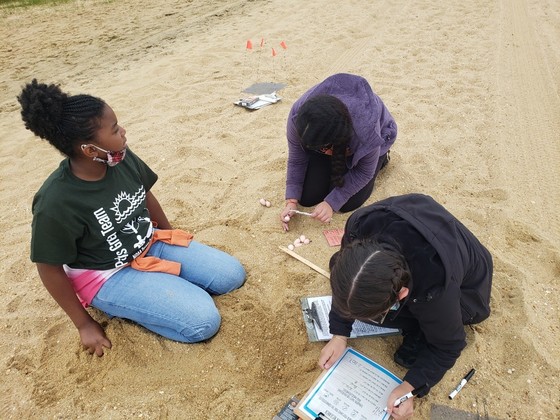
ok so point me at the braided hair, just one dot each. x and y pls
(366, 277)
(61, 119)
(324, 120)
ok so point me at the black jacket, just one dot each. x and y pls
(451, 277)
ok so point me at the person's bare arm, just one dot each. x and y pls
(156, 211)
(56, 282)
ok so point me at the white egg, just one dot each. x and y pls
(297, 242)
(291, 247)
(267, 203)
(287, 219)
(262, 201)
(306, 241)
(302, 238)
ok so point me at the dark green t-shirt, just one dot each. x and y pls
(93, 224)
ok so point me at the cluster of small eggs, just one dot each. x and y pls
(302, 240)
(264, 202)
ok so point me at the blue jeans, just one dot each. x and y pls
(177, 307)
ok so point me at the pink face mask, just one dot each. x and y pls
(113, 158)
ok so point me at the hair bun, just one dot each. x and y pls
(41, 108)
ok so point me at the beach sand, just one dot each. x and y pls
(474, 88)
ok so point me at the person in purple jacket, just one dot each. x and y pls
(339, 134)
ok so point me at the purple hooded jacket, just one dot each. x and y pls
(375, 131)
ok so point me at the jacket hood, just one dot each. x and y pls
(433, 221)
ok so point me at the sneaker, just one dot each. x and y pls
(407, 353)
(386, 158)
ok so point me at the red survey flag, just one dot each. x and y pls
(249, 45)
(273, 52)
(283, 45)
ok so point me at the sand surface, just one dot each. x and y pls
(474, 88)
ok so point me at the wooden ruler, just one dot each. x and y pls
(306, 262)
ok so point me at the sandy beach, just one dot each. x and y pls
(474, 87)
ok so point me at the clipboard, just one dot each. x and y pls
(355, 387)
(287, 411)
(315, 311)
(253, 103)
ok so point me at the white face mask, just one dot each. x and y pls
(113, 158)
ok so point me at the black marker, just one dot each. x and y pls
(321, 416)
(411, 394)
(461, 384)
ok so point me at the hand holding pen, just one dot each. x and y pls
(402, 408)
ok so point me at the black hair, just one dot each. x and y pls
(61, 119)
(366, 277)
(323, 120)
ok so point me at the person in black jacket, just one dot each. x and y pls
(406, 262)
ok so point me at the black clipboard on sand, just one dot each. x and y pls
(315, 310)
(262, 94)
(253, 103)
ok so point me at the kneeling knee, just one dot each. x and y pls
(231, 280)
(204, 329)
(238, 277)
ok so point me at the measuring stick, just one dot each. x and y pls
(306, 262)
